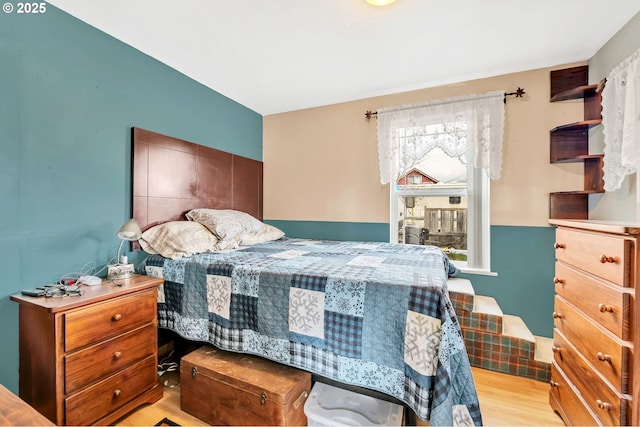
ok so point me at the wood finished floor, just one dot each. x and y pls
(505, 400)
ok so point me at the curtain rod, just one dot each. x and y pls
(518, 94)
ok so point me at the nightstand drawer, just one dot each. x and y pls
(101, 321)
(609, 355)
(605, 256)
(101, 360)
(608, 305)
(95, 402)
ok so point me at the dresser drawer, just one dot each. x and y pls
(609, 355)
(93, 403)
(564, 398)
(605, 256)
(108, 319)
(101, 360)
(609, 405)
(609, 306)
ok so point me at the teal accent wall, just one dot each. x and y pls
(523, 257)
(69, 95)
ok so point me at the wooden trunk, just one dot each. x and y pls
(224, 388)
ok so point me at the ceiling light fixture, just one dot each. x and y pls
(380, 2)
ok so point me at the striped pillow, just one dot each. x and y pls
(177, 239)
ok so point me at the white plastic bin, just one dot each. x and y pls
(332, 406)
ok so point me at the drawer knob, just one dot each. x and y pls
(117, 393)
(555, 349)
(553, 384)
(116, 317)
(603, 405)
(557, 315)
(559, 245)
(603, 357)
(605, 259)
(558, 280)
(117, 355)
(605, 308)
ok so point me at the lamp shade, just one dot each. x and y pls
(130, 230)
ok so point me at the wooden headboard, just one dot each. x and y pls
(171, 176)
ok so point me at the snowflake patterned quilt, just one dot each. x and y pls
(374, 315)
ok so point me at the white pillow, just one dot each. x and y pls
(177, 239)
(266, 234)
(225, 223)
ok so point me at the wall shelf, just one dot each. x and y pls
(584, 91)
(581, 124)
(569, 143)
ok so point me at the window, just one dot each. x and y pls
(424, 213)
(441, 161)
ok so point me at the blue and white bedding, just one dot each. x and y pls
(374, 315)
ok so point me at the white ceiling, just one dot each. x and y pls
(283, 55)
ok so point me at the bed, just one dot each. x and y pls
(368, 314)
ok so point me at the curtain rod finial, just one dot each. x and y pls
(518, 93)
(369, 114)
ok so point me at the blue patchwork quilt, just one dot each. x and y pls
(374, 315)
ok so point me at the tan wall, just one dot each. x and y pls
(321, 164)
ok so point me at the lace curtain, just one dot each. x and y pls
(621, 121)
(483, 116)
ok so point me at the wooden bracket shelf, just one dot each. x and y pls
(577, 159)
(584, 91)
(577, 192)
(569, 143)
(584, 124)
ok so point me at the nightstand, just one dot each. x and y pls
(90, 359)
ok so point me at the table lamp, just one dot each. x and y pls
(130, 231)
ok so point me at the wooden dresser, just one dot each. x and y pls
(90, 359)
(593, 379)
